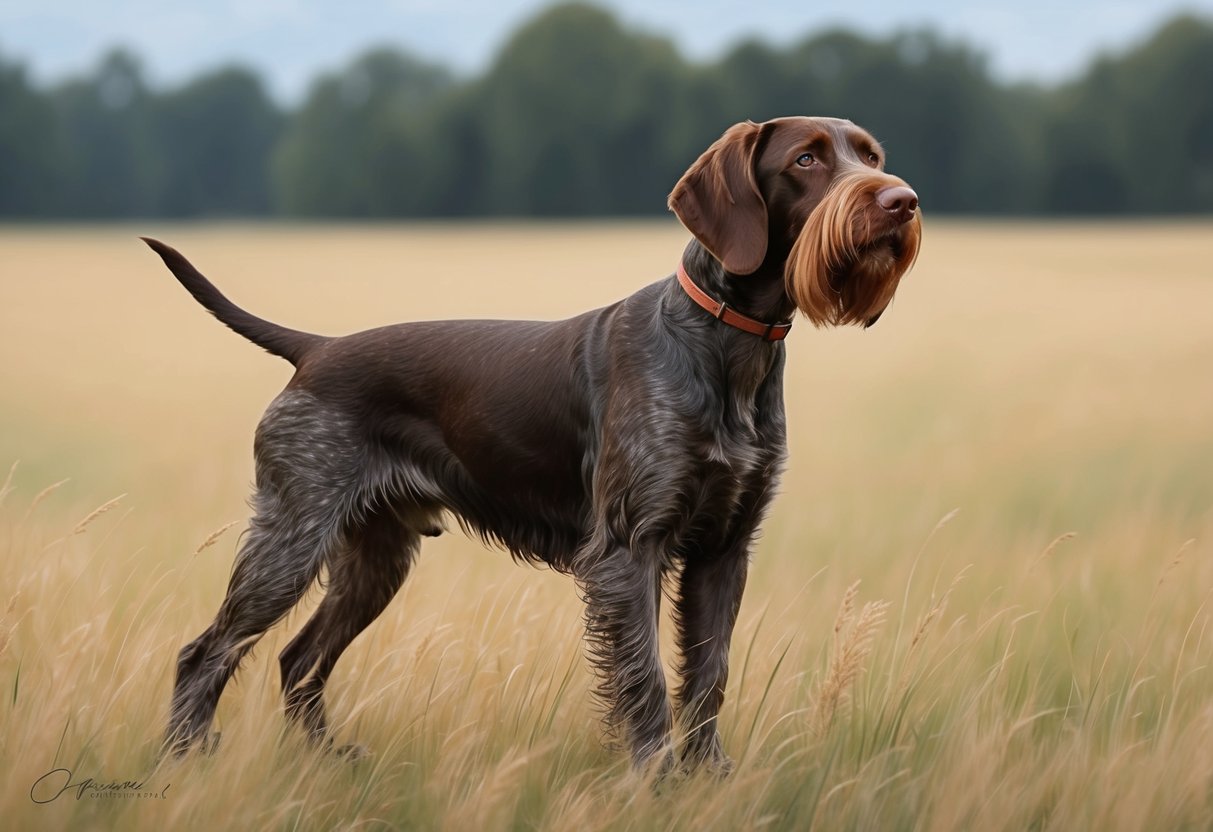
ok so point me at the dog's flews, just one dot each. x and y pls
(628, 445)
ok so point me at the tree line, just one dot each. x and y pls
(579, 115)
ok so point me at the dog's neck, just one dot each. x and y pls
(760, 295)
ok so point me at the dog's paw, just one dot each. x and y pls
(718, 765)
(713, 762)
(178, 748)
(659, 767)
(210, 743)
(351, 752)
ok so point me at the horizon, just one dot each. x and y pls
(289, 45)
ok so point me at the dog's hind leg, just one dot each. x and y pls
(362, 580)
(305, 474)
(275, 567)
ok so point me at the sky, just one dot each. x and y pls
(289, 41)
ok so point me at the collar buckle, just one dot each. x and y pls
(718, 309)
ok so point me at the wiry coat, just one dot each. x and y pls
(631, 444)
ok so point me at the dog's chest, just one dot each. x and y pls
(716, 508)
(736, 440)
(734, 455)
(731, 464)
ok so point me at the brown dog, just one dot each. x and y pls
(628, 444)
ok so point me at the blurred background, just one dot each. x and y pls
(288, 109)
(1017, 456)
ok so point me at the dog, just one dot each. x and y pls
(632, 445)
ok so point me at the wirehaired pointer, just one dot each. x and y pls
(629, 445)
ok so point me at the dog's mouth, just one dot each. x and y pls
(870, 260)
(888, 244)
(849, 258)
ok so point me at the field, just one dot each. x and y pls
(1018, 460)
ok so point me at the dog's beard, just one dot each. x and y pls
(847, 262)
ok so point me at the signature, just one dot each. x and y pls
(52, 785)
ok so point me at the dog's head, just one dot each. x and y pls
(807, 198)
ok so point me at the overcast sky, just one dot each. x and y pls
(288, 41)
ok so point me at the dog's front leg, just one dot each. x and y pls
(708, 599)
(622, 592)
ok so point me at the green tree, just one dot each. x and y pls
(1135, 133)
(214, 138)
(107, 160)
(352, 149)
(577, 109)
(31, 148)
(580, 115)
(933, 105)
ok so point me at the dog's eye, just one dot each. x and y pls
(805, 159)
(873, 158)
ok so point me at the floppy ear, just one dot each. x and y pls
(718, 200)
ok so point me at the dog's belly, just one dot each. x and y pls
(519, 486)
(535, 472)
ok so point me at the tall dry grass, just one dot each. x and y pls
(1014, 464)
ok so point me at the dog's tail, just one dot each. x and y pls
(290, 344)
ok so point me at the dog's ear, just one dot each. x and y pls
(718, 200)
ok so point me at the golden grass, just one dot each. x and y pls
(1016, 463)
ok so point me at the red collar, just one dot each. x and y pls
(718, 309)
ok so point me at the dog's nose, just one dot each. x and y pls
(899, 201)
